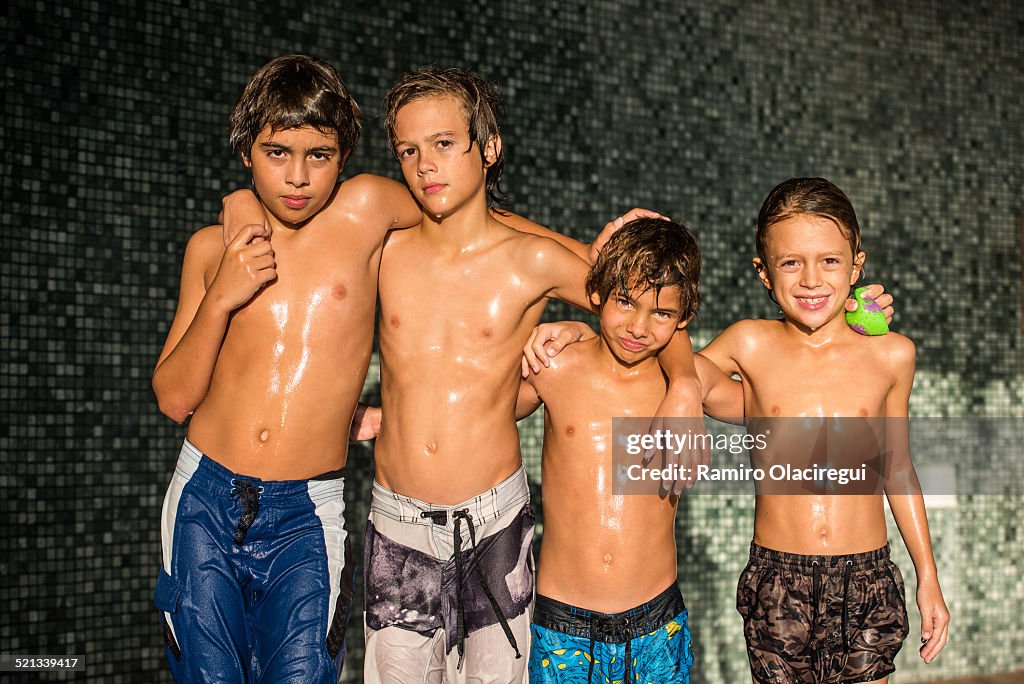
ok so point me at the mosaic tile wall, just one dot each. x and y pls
(114, 151)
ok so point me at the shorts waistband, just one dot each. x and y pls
(508, 496)
(614, 628)
(824, 563)
(202, 470)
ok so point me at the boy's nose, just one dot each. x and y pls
(810, 276)
(426, 164)
(637, 326)
(298, 174)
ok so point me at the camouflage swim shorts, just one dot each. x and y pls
(821, 619)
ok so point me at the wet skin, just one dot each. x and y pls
(459, 297)
(811, 364)
(603, 551)
(274, 391)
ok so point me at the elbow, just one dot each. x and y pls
(174, 410)
(172, 405)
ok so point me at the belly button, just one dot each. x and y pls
(265, 435)
(607, 558)
(431, 447)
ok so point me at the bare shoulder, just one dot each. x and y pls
(371, 201)
(205, 245)
(538, 253)
(574, 361)
(897, 349)
(746, 335)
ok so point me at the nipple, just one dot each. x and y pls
(265, 435)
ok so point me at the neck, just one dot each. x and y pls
(465, 226)
(826, 334)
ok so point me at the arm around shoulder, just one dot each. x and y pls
(525, 225)
(729, 346)
(379, 201)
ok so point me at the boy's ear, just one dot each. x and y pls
(858, 267)
(247, 160)
(683, 323)
(595, 300)
(762, 272)
(492, 150)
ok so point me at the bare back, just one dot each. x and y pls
(600, 551)
(452, 328)
(784, 377)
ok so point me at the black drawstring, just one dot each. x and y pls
(458, 517)
(629, 655)
(590, 672)
(815, 591)
(250, 496)
(616, 628)
(846, 607)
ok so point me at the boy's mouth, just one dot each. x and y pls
(632, 345)
(433, 188)
(295, 201)
(812, 303)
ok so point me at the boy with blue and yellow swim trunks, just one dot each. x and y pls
(608, 608)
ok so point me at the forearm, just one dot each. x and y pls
(240, 208)
(182, 378)
(721, 396)
(912, 520)
(684, 388)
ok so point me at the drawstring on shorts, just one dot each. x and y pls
(250, 498)
(441, 518)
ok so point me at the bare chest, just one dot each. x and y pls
(833, 384)
(474, 305)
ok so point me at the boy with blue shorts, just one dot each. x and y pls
(267, 354)
(607, 601)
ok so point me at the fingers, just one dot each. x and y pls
(874, 291)
(248, 232)
(638, 212)
(653, 429)
(532, 353)
(885, 301)
(939, 628)
(524, 367)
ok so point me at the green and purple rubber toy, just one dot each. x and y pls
(869, 318)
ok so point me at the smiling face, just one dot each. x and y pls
(441, 165)
(295, 171)
(809, 267)
(636, 325)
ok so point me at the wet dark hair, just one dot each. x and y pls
(292, 91)
(814, 196)
(479, 99)
(649, 254)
